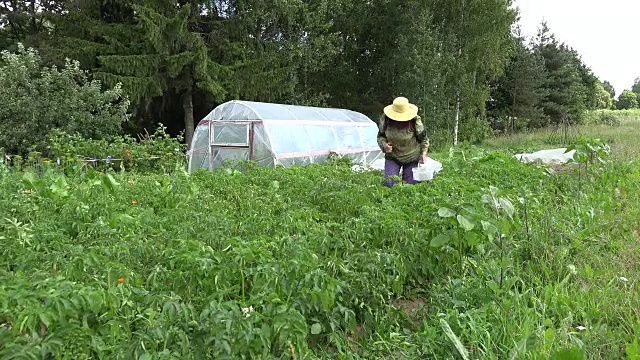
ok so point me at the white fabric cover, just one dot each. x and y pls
(550, 156)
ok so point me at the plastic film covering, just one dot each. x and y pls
(301, 144)
(230, 133)
(201, 137)
(369, 136)
(262, 151)
(237, 110)
(222, 156)
(233, 110)
(199, 155)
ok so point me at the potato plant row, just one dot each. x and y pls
(302, 263)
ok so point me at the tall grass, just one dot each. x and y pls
(619, 128)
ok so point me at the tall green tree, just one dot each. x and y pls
(601, 98)
(27, 22)
(636, 88)
(519, 94)
(627, 100)
(567, 97)
(475, 41)
(591, 83)
(364, 74)
(417, 63)
(171, 59)
(279, 48)
(609, 88)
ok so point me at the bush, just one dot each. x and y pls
(612, 117)
(474, 130)
(151, 152)
(440, 139)
(36, 99)
(502, 124)
(608, 119)
(627, 100)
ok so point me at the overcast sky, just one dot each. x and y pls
(603, 32)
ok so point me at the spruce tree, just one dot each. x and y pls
(519, 93)
(170, 59)
(567, 93)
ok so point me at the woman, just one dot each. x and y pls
(403, 139)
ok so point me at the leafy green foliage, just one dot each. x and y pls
(636, 88)
(171, 58)
(152, 152)
(567, 97)
(457, 60)
(589, 150)
(627, 100)
(517, 96)
(37, 99)
(546, 83)
(609, 88)
(604, 117)
(281, 51)
(602, 98)
(26, 22)
(280, 263)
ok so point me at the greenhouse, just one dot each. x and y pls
(276, 134)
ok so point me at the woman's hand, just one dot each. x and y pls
(424, 158)
(388, 148)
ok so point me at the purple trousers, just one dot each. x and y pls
(392, 168)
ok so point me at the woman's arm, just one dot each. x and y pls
(421, 136)
(382, 138)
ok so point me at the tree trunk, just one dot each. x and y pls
(456, 126)
(457, 123)
(513, 111)
(189, 126)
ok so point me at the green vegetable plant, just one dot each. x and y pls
(314, 262)
(499, 228)
(588, 151)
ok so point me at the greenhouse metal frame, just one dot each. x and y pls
(277, 134)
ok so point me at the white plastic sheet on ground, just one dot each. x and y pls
(550, 156)
(378, 164)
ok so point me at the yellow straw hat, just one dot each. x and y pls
(401, 110)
